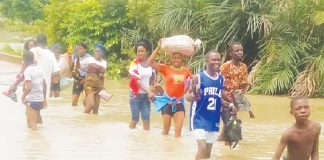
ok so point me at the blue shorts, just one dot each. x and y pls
(36, 105)
(140, 104)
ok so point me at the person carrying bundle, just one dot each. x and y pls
(175, 76)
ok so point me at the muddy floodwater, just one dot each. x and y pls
(67, 133)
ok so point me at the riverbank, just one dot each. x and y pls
(10, 58)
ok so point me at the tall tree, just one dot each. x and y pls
(24, 10)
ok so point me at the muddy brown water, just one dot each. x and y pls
(67, 133)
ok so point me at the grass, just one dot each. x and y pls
(8, 49)
(13, 31)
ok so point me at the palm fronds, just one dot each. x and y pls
(276, 71)
(310, 81)
(174, 17)
(319, 17)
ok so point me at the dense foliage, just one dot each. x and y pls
(283, 39)
(23, 10)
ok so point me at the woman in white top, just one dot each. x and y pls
(94, 80)
(141, 77)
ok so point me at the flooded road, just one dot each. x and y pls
(68, 134)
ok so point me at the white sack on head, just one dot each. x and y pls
(182, 44)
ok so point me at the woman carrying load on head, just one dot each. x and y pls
(94, 80)
(175, 76)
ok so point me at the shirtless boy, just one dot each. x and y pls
(302, 137)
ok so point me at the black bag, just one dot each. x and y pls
(233, 131)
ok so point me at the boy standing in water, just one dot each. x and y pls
(206, 104)
(34, 96)
(302, 137)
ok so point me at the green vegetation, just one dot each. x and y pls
(283, 39)
(8, 49)
(23, 10)
(13, 31)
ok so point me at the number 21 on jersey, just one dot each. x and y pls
(211, 104)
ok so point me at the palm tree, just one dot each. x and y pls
(310, 81)
(282, 38)
(290, 56)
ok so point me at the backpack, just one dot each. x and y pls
(233, 131)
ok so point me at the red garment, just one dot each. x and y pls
(134, 76)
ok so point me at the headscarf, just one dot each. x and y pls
(56, 46)
(101, 48)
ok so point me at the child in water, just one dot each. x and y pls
(34, 96)
(302, 137)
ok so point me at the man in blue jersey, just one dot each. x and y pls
(206, 93)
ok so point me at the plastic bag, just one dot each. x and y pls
(64, 65)
(105, 95)
(242, 102)
(180, 44)
(65, 82)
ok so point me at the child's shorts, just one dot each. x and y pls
(36, 105)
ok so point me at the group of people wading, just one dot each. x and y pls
(41, 73)
(212, 92)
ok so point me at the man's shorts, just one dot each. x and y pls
(201, 134)
(36, 105)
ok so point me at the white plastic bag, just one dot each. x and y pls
(64, 65)
(65, 82)
(180, 44)
(105, 95)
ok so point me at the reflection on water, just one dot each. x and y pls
(67, 133)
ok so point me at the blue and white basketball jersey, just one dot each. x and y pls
(205, 113)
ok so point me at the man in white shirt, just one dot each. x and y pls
(46, 60)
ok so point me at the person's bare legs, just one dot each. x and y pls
(251, 114)
(209, 147)
(146, 125)
(39, 117)
(222, 133)
(96, 104)
(166, 124)
(75, 98)
(84, 96)
(56, 93)
(89, 103)
(31, 117)
(132, 124)
(202, 149)
(178, 122)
